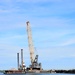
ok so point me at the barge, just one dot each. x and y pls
(14, 72)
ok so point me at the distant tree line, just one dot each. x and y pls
(65, 71)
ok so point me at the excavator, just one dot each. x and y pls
(34, 58)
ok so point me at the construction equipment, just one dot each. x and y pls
(34, 59)
(22, 66)
(18, 60)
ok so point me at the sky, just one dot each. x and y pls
(53, 32)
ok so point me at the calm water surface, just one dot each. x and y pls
(37, 74)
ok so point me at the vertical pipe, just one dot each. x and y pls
(22, 58)
(18, 60)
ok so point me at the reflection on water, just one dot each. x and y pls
(38, 74)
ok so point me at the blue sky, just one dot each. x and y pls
(53, 31)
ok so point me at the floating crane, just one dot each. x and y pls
(34, 59)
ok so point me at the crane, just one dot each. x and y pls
(34, 59)
(31, 47)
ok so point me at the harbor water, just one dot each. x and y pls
(37, 74)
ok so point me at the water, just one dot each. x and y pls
(37, 74)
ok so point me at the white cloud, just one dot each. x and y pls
(68, 42)
(30, 1)
(5, 0)
(55, 22)
(4, 11)
(38, 1)
(54, 53)
(11, 10)
(11, 26)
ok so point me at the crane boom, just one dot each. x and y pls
(30, 42)
(34, 59)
